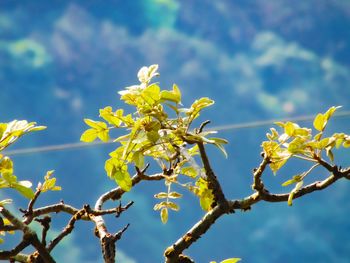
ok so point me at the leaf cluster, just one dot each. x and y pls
(159, 128)
(300, 142)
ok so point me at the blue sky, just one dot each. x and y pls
(61, 62)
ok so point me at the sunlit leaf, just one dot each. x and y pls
(174, 195)
(174, 95)
(49, 183)
(6, 165)
(138, 159)
(123, 179)
(145, 74)
(189, 171)
(231, 260)
(161, 195)
(89, 135)
(5, 202)
(108, 115)
(289, 128)
(164, 215)
(294, 180)
(295, 190)
(320, 122)
(98, 125)
(23, 190)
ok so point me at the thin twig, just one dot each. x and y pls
(213, 183)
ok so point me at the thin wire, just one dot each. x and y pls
(255, 124)
(247, 125)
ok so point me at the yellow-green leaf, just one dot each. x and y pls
(295, 179)
(145, 74)
(289, 128)
(6, 165)
(231, 260)
(174, 95)
(23, 190)
(164, 215)
(138, 159)
(123, 179)
(189, 171)
(108, 115)
(174, 195)
(103, 135)
(161, 195)
(98, 125)
(295, 190)
(89, 135)
(5, 202)
(320, 122)
(346, 144)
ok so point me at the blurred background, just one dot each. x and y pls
(61, 61)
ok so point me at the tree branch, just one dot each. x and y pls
(28, 234)
(213, 183)
(172, 253)
(107, 239)
(13, 252)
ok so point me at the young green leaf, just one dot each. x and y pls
(164, 215)
(5, 202)
(138, 159)
(173, 96)
(292, 193)
(174, 195)
(23, 190)
(189, 171)
(161, 195)
(123, 179)
(89, 135)
(231, 260)
(320, 122)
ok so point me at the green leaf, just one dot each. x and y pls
(89, 135)
(145, 74)
(320, 122)
(289, 128)
(5, 202)
(297, 145)
(166, 204)
(231, 260)
(329, 153)
(97, 125)
(295, 179)
(164, 215)
(189, 171)
(138, 159)
(174, 95)
(6, 165)
(346, 144)
(161, 195)
(206, 197)
(49, 183)
(174, 195)
(108, 115)
(153, 136)
(295, 190)
(205, 201)
(23, 190)
(328, 114)
(218, 142)
(151, 94)
(37, 128)
(103, 135)
(123, 179)
(173, 206)
(198, 105)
